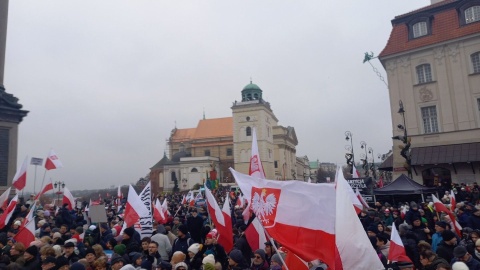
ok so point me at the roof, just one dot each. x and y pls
(387, 164)
(251, 86)
(445, 26)
(206, 128)
(403, 186)
(162, 162)
(313, 164)
(445, 154)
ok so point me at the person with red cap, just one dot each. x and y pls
(212, 247)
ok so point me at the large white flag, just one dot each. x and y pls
(256, 168)
(68, 199)
(146, 224)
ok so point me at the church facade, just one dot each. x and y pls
(220, 143)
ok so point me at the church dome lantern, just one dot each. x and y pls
(251, 92)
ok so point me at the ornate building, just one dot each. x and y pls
(432, 60)
(221, 143)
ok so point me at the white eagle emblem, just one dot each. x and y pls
(263, 207)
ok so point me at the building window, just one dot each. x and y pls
(476, 62)
(420, 29)
(207, 153)
(424, 73)
(194, 170)
(269, 153)
(472, 14)
(478, 104)
(275, 163)
(249, 131)
(429, 118)
(229, 152)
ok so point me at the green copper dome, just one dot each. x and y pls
(251, 92)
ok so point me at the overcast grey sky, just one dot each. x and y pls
(104, 81)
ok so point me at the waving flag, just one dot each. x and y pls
(361, 199)
(29, 216)
(256, 168)
(397, 250)
(165, 212)
(158, 213)
(453, 201)
(440, 207)
(225, 235)
(52, 161)
(48, 186)
(4, 198)
(68, 199)
(184, 200)
(220, 220)
(5, 218)
(26, 235)
(281, 207)
(20, 178)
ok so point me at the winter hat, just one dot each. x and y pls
(260, 252)
(373, 228)
(120, 249)
(413, 205)
(448, 235)
(441, 224)
(459, 251)
(127, 267)
(32, 250)
(57, 235)
(69, 244)
(181, 264)
(49, 259)
(195, 248)
(92, 227)
(276, 258)
(183, 229)
(211, 259)
(165, 265)
(77, 266)
(211, 235)
(161, 229)
(90, 250)
(208, 266)
(135, 256)
(236, 255)
(104, 226)
(129, 231)
(460, 266)
(41, 222)
(17, 222)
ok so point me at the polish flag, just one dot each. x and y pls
(28, 217)
(453, 201)
(361, 199)
(240, 201)
(380, 182)
(281, 207)
(165, 212)
(158, 213)
(4, 198)
(397, 250)
(256, 168)
(226, 239)
(20, 178)
(26, 235)
(184, 200)
(52, 161)
(403, 211)
(357, 205)
(355, 173)
(246, 213)
(294, 262)
(48, 186)
(255, 235)
(440, 207)
(68, 199)
(7, 215)
(353, 248)
(222, 221)
(133, 208)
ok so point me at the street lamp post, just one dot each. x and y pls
(372, 166)
(405, 153)
(363, 145)
(349, 156)
(60, 185)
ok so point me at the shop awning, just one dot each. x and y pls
(446, 154)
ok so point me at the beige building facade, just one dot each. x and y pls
(432, 60)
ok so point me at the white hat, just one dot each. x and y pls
(181, 264)
(194, 248)
(17, 222)
(92, 227)
(459, 266)
(209, 259)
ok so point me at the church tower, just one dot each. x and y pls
(253, 112)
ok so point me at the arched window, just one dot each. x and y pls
(255, 96)
(194, 170)
(249, 131)
(249, 96)
(476, 62)
(472, 14)
(424, 73)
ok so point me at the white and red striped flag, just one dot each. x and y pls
(453, 201)
(440, 207)
(68, 199)
(52, 161)
(256, 167)
(7, 215)
(4, 198)
(26, 235)
(227, 240)
(158, 213)
(224, 229)
(20, 178)
(281, 207)
(355, 173)
(361, 199)
(29, 216)
(184, 199)
(48, 186)
(397, 250)
(134, 209)
(165, 212)
(255, 235)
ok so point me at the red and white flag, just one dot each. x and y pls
(134, 208)
(453, 201)
(158, 213)
(357, 205)
(256, 168)
(440, 207)
(26, 235)
(165, 212)
(20, 178)
(355, 173)
(240, 201)
(48, 186)
(184, 200)
(281, 207)
(403, 211)
(294, 262)
(52, 161)
(28, 217)
(397, 250)
(7, 215)
(361, 199)
(380, 182)
(227, 240)
(220, 220)
(4, 198)
(255, 235)
(353, 248)
(68, 199)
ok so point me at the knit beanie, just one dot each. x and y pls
(32, 250)
(208, 266)
(181, 264)
(236, 255)
(120, 249)
(194, 248)
(276, 258)
(459, 266)
(209, 259)
(260, 252)
(183, 229)
(129, 231)
(77, 266)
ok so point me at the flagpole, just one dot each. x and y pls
(275, 247)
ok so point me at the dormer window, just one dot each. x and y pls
(420, 29)
(472, 14)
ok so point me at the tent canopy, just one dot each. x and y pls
(403, 186)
